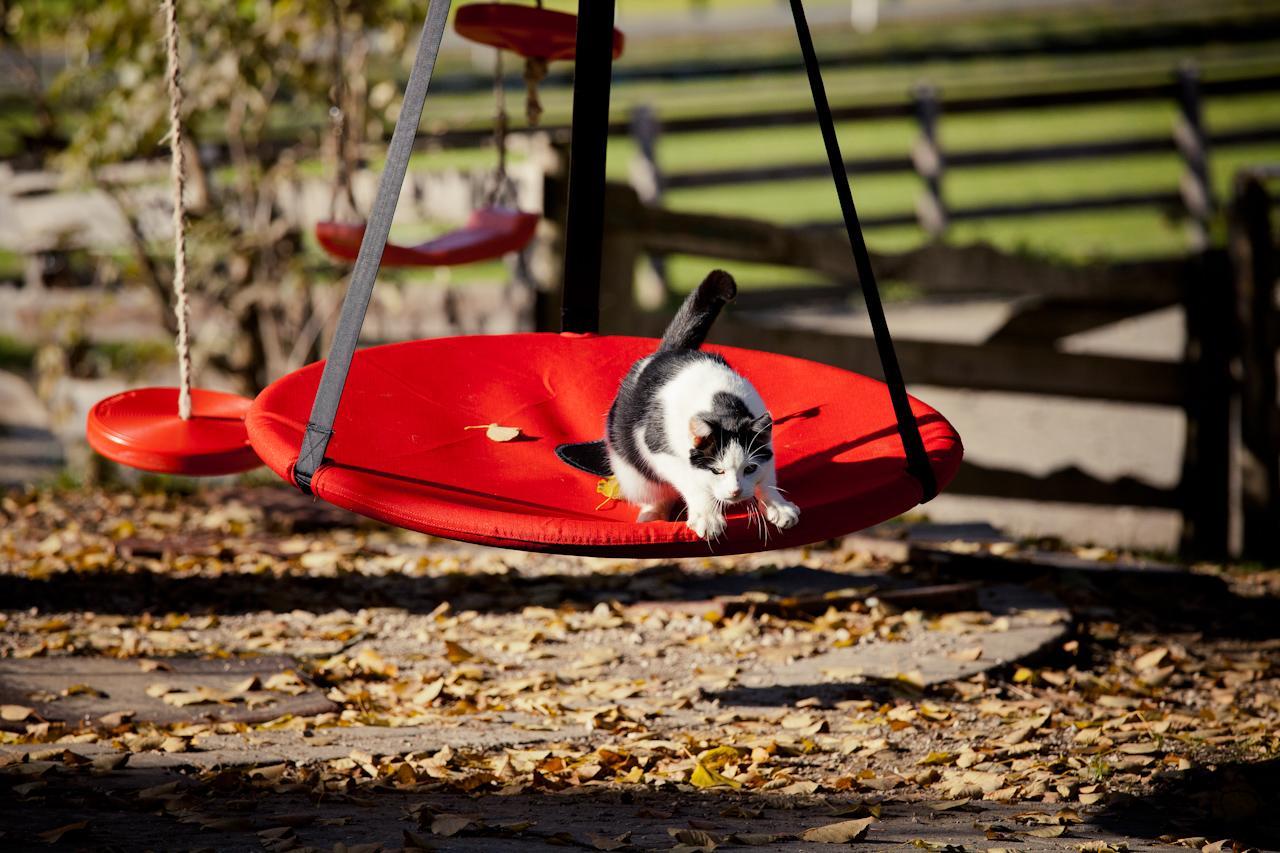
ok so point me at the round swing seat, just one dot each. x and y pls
(141, 429)
(401, 451)
(532, 32)
(490, 233)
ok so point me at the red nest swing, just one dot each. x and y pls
(492, 231)
(397, 442)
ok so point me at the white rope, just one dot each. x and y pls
(179, 179)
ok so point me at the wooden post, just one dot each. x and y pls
(652, 286)
(1253, 254)
(926, 155)
(1205, 487)
(1193, 144)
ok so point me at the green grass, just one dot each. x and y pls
(15, 355)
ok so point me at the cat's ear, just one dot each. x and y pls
(762, 424)
(699, 431)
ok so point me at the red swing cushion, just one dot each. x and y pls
(400, 451)
(141, 429)
(490, 232)
(526, 30)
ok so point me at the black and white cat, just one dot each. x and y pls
(686, 425)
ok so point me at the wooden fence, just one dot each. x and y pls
(1058, 300)
(931, 163)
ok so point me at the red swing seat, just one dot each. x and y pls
(401, 452)
(490, 232)
(529, 31)
(141, 428)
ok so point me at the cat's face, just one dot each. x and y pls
(729, 454)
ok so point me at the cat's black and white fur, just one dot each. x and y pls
(686, 425)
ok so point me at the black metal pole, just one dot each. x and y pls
(584, 217)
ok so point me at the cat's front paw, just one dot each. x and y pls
(782, 513)
(708, 525)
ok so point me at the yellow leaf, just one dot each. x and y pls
(456, 652)
(610, 489)
(83, 690)
(716, 759)
(372, 663)
(935, 759)
(1023, 675)
(704, 777)
(495, 432)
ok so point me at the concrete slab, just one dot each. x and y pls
(1022, 623)
(171, 690)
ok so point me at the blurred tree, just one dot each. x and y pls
(251, 68)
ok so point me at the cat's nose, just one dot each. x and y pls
(735, 494)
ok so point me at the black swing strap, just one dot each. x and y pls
(377, 229)
(917, 460)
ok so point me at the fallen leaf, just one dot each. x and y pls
(494, 432)
(16, 713)
(610, 489)
(450, 824)
(83, 690)
(456, 653)
(111, 761)
(605, 842)
(843, 832)
(53, 836)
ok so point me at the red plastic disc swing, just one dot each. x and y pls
(141, 429)
(490, 232)
(532, 32)
(401, 451)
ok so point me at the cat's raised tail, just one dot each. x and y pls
(693, 321)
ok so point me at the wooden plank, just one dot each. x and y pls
(1254, 258)
(936, 268)
(1109, 201)
(1049, 320)
(989, 367)
(967, 159)
(1066, 485)
(1210, 349)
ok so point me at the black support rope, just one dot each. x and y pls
(377, 229)
(917, 460)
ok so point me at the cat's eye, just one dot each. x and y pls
(717, 470)
(750, 469)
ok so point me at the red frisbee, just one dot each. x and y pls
(491, 232)
(141, 429)
(526, 30)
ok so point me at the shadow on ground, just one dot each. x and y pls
(1238, 801)
(143, 591)
(161, 809)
